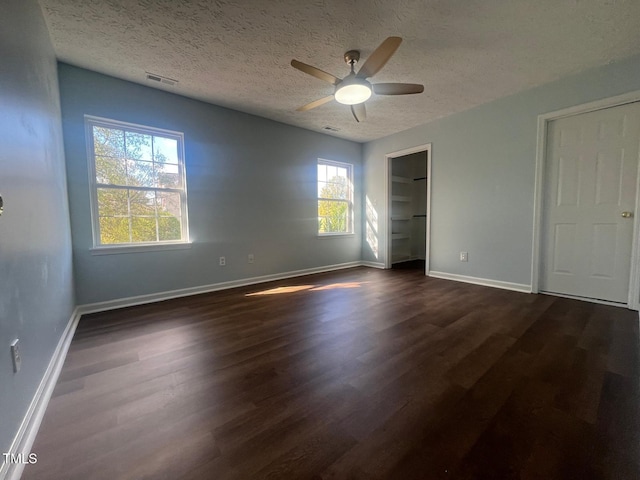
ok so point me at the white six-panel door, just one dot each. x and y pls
(590, 196)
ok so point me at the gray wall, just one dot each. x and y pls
(483, 174)
(251, 187)
(36, 299)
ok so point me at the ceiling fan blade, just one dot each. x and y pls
(379, 57)
(315, 72)
(359, 112)
(397, 88)
(315, 103)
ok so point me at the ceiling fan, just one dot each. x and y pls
(354, 89)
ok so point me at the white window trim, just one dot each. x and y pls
(351, 201)
(104, 249)
(138, 247)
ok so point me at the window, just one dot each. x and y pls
(138, 190)
(335, 198)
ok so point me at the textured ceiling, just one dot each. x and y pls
(237, 53)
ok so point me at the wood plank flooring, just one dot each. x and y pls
(357, 374)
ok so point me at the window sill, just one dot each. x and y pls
(335, 235)
(147, 247)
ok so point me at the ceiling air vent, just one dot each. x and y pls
(154, 77)
(331, 129)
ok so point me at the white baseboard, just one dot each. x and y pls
(185, 292)
(26, 435)
(517, 287)
(373, 264)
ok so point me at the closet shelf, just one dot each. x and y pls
(399, 236)
(400, 218)
(397, 179)
(400, 198)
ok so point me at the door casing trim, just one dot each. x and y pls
(426, 147)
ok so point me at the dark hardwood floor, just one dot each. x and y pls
(357, 374)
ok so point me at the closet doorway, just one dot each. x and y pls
(409, 208)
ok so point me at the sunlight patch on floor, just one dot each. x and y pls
(279, 290)
(311, 288)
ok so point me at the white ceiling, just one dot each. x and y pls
(237, 53)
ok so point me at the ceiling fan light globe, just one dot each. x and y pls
(353, 91)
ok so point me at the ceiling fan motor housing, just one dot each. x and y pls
(352, 57)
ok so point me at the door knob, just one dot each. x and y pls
(627, 214)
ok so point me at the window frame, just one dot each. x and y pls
(100, 248)
(350, 201)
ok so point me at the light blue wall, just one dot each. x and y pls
(36, 289)
(483, 174)
(251, 189)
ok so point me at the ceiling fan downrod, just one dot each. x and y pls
(352, 57)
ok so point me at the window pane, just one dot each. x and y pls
(322, 225)
(140, 174)
(142, 203)
(337, 189)
(108, 141)
(169, 220)
(342, 189)
(333, 216)
(112, 202)
(138, 146)
(165, 150)
(322, 186)
(168, 204)
(342, 172)
(322, 173)
(114, 230)
(331, 172)
(168, 175)
(169, 228)
(111, 170)
(143, 229)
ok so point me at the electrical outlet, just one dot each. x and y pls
(464, 256)
(250, 258)
(15, 356)
(223, 261)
